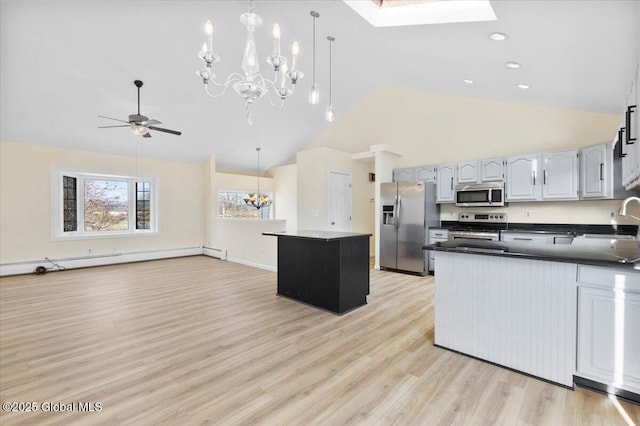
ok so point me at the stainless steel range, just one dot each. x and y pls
(476, 226)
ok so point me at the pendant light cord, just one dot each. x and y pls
(314, 49)
(330, 41)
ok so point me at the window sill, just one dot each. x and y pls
(251, 219)
(104, 235)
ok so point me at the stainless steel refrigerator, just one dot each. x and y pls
(408, 210)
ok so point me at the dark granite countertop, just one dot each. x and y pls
(317, 235)
(582, 250)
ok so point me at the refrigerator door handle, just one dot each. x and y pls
(398, 202)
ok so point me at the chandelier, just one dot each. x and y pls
(251, 85)
(258, 200)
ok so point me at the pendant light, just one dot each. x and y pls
(330, 114)
(258, 200)
(314, 90)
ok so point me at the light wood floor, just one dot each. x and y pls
(198, 340)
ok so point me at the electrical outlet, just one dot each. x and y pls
(527, 214)
(613, 214)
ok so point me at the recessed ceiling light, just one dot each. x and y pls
(498, 36)
(512, 65)
(466, 80)
(523, 86)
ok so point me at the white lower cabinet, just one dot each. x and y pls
(609, 327)
(436, 235)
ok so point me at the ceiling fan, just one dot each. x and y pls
(139, 124)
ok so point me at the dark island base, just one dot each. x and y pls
(318, 307)
(329, 274)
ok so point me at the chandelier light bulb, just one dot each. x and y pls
(276, 31)
(204, 46)
(295, 48)
(208, 28)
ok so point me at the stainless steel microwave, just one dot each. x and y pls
(489, 194)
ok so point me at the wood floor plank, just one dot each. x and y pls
(198, 340)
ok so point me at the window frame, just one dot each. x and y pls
(57, 205)
(240, 191)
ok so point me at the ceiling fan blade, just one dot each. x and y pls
(173, 132)
(151, 122)
(120, 125)
(146, 135)
(110, 118)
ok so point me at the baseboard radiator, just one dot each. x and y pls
(45, 265)
(215, 252)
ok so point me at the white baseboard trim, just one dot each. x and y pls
(98, 260)
(253, 264)
(376, 267)
(29, 267)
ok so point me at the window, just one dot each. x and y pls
(106, 205)
(231, 205)
(70, 205)
(88, 205)
(143, 205)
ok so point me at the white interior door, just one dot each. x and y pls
(339, 202)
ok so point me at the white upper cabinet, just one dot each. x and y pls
(596, 171)
(445, 182)
(468, 172)
(492, 170)
(628, 140)
(426, 174)
(560, 175)
(523, 178)
(403, 175)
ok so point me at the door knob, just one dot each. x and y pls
(333, 223)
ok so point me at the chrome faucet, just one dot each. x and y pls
(623, 212)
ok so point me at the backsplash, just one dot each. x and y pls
(596, 212)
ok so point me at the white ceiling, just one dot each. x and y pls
(65, 62)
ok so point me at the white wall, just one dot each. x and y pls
(314, 166)
(231, 181)
(285, 185)
(431, 128)
(25, 211)
(241, 238)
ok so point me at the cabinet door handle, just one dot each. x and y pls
(452, 184)
(522, 239)
(621, 142)
(544, 177)
(628, 139)
(601, 171)
(533, 175)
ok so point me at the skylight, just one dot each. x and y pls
(424, 12)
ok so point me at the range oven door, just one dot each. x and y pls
(480, 195)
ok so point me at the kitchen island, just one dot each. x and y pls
(329, 270)
(564, 313)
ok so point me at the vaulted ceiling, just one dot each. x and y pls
(65, 62)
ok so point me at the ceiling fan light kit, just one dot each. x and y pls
(138, 123)
(251, 85)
